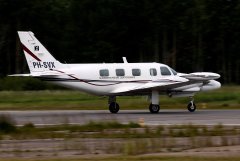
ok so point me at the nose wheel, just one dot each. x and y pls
(191, 106)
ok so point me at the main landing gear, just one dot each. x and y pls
(113, 105)
(154, 106)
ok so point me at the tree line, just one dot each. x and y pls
(188, 35)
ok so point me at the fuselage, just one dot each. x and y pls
(112, 78)
(103, 79)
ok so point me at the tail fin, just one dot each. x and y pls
(38, 57)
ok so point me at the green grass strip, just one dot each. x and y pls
(228, 97)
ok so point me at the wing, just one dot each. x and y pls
(160, 85)
(170, 83)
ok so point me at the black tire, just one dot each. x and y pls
(113, 107)
(154, 108)
(191, 107)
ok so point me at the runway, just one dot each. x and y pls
(164, 117)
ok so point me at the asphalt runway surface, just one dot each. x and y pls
(164, 117)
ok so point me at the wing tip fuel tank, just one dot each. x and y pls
(212, 84)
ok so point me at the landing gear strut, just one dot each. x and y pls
(154, 106)
(113, 105)
(191, 106)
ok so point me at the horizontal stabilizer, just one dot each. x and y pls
(48, 73)
(20, 75)
(39, 74)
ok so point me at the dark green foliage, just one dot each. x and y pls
(217, 130)
(27, 129)
(25, 83)
(111, 130)
(29, 126)
(187, 35)
(7, 124)
(133, 125)
(96, 126)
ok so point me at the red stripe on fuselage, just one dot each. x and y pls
(30, 53)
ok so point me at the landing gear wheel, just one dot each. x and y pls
(191, 106)
(113, 107)
(154, 108)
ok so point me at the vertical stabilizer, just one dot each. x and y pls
(38, 57)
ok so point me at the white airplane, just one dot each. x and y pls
(115, 79)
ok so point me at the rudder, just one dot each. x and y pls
(38, 57)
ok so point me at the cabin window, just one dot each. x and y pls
(104, 72)
(153, 72)
(136, 72)
(165, 71)
(120, 72)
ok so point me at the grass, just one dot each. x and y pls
(228, 97)
(125, 139)
(89, 130)
(111, 130)
(136, 158)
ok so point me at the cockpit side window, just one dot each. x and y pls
(165, 71)
(153, 72)
(173, 71)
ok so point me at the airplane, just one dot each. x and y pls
(115, 79)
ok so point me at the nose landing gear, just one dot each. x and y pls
(191, 106)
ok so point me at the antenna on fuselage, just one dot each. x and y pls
(124, 60)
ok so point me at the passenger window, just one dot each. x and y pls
(153, 72)
(165, 71)
(104, 72)
(120, 72)
(136, 72)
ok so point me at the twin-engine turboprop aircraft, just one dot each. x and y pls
(115, 79)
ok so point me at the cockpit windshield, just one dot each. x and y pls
(173, 71)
